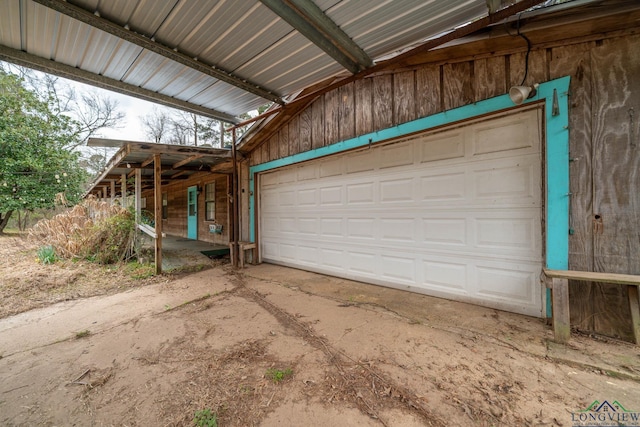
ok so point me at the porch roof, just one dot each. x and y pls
(178, 163)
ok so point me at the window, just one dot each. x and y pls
(165, 205)
(210, 201)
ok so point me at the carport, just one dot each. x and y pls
(222, 59)
(353, 78)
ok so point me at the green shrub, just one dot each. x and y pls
(277, 375)
(113, 239)
(205, 418)
(47, 254)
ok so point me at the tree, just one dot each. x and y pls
(93, 112)
(37, 167)
(90, 110)
(156, 125)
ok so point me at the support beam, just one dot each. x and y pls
(157, 205)
(235, 200)
(150, 44)
(634, 307)
(123, 189)
(138, 194)
(113, 191)
(308, 19)
(402, 60)
(147, 162)
(187, 160)
(561, 321)
(62, 70)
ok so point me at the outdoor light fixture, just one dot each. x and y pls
(519, 94)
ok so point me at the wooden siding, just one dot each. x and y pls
(176, 222)
(604, 144)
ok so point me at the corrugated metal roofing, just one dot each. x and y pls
(242, 37)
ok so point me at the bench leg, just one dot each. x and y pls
(634, 305)
(561, 318)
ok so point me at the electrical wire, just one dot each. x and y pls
(526, 59)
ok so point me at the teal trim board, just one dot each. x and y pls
(556, 157)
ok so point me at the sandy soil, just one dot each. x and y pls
(358, 355)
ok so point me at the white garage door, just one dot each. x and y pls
(455, 214)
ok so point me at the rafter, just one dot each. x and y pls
(187, 160)
(114, 29)
(308, 19)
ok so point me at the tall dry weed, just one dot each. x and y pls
(94, 230)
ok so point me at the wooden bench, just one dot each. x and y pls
(559, 284)
(242, 248)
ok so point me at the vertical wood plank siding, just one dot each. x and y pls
(176, 222)
(605, 173)
(616, 170)
(576, 59)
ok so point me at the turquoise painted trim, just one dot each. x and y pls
(557, 171)
(557, 159)
(252, 188)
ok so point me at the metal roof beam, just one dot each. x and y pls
(308, 19)
(114, 29)
(68, 72)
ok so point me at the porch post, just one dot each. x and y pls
(123, 189)
(113, 191)
(157, 187)
(138, 194)
(234, 194)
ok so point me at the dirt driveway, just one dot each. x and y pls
(275, 346)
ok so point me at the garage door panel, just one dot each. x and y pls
(362, 262)
(332, 167)
(331, 227)
(398, 268)
(307, 254)
(397, 155)
(397, 190)
(360, 193)
(444, 231)
(308, 226)
(499, 283)
(285, 198)
(306, 172)
(331, 196)
(287, 176)
(307, 197)
(270, 226)
(445, 187)
(508, 234)
(270, 249)
(361, 228)
(287, 251)
(439, 147)
(362, 162)
(513, 179)
(445, 276)
(397, 229)
(509, 133)
(332, 259)
(451, 215)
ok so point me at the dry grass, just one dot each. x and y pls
(26, 283)
(94, 230)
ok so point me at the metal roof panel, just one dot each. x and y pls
(240, 36)
(10, 24)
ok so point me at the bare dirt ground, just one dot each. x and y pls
(153, 352)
